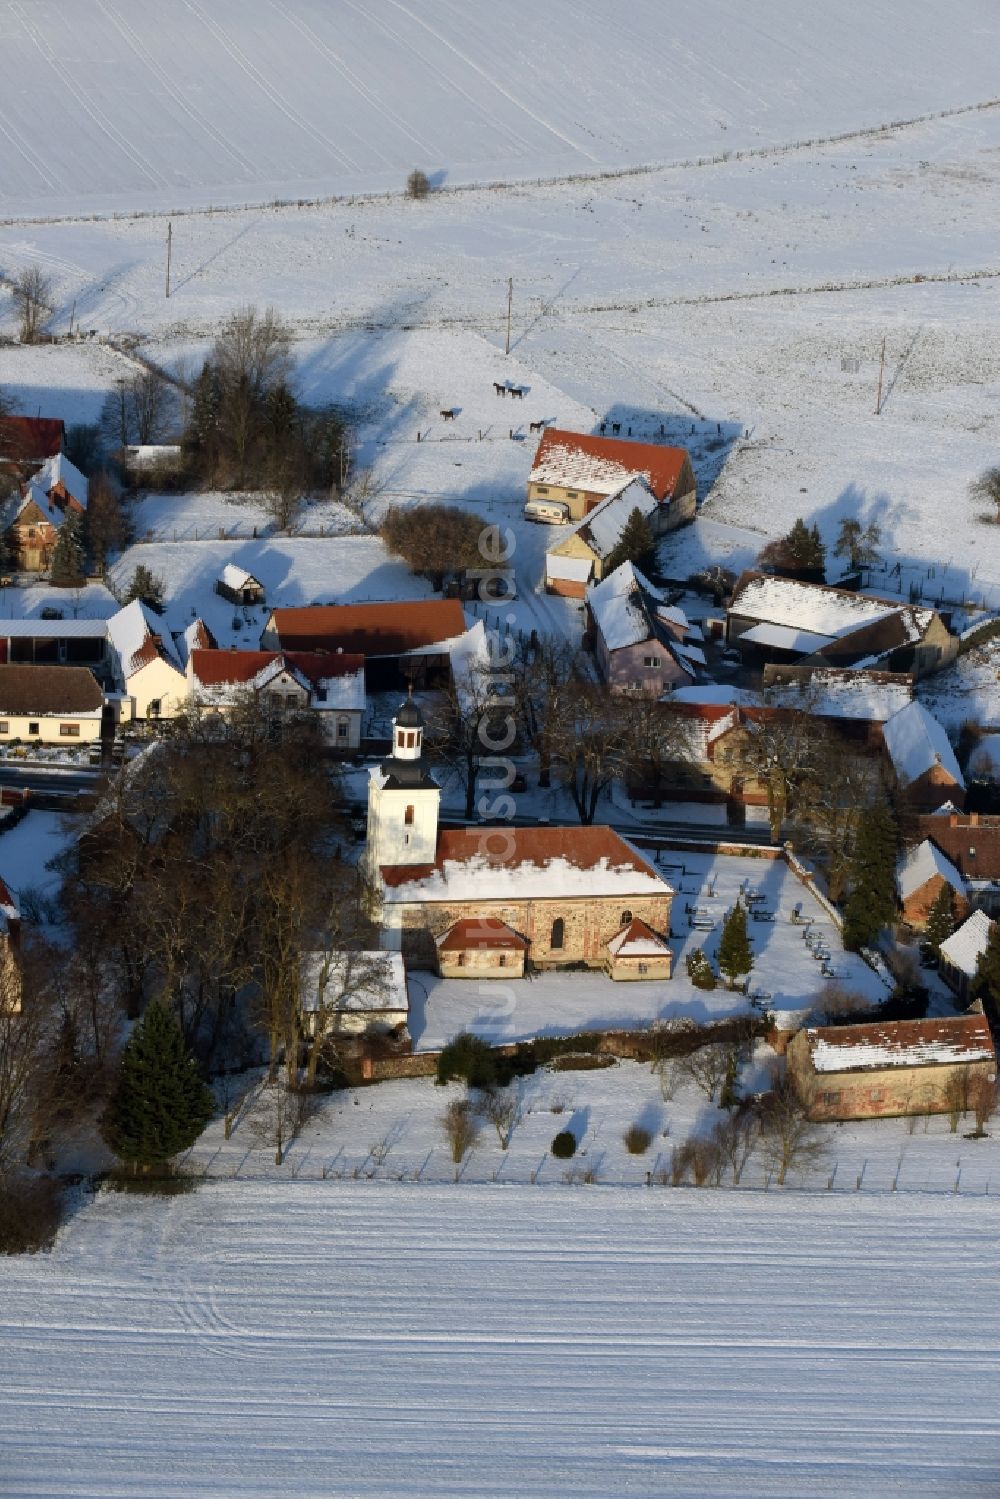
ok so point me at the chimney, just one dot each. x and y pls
(953, 819)
(973, 819)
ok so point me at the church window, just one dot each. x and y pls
(558, 933)
(408, 817)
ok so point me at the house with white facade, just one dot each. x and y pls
(332, 686)
(146, 663)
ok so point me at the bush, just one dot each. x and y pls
(30, 1211)
(700, 970)
(564, 1145)
(459, 1124)
(418, 184)
(469, 1060)
(637, 1140)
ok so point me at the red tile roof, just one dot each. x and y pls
(481, 933)
(369, 629)
(953, 1035)
(216, 668)
(507, 848)
(660, 466)
(23, 439)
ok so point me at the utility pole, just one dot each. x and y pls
(881, 371)
(170, 238)
(510, 298)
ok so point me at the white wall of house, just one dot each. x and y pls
(160, 684)
(66, 729)
(402, 825)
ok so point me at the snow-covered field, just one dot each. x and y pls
(242, 100)
(345, 1340)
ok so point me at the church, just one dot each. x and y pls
(497, 902)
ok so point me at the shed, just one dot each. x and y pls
(637, 952)
(960, 953)
(355, 993)
(893, 1067)
(238, 586)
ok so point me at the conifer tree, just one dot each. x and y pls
(146, 587)
(700, 970)
(735, 952)
(635, 544)
(940, 919)
(160, 1104)
(68, 568)
(871, 904)
(986, 984)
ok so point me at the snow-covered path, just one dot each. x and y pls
(347, 1339)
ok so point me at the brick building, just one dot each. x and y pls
(581, 470)
(926, 771)
(920, 877)
(893, 1067)
(484, 898)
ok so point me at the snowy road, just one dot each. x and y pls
(346, 1339)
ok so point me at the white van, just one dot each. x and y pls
(548, 512)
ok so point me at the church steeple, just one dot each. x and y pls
(403, 799)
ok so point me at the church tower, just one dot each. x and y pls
(403, 800)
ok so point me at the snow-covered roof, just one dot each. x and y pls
(139, 636)
(840, 693)
(570, 569)
(785, 638)
(816, 608)
(984, 762)
(355, 983)
(916, 742)
(601, 465)
(922, 864)
(237, 577)
(712, 694)
(59, 470)
(637, 940)
(962, 950)
(602, 528)
(53, 629)
(617, 607)
(900, 1043)
(530, 864)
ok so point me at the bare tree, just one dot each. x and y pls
(471, 722)
(460, 1128)
(736, 1138)
(278, 1118)
(337, 976)
(417, 184)
(789, 1138)
(832, 804)
(25, 1035)
(105, 525)
(782, 751)
(502, 1107)
(590, 748)
(986, 490)
(708, 1067)
(547, 670)
(150, 406)
(32, 293)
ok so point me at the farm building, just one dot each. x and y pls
(960, 953)
(27, 441)
(784, 620)
(582, 471)
(922, 759)
(855, 702)
(54, 642)
(972, 843)
(50, 705)
(642, 644)
(893, 1067)
(404, 641)
(920, 877)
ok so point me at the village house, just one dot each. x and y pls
(49, 705)
(893, 1067)
(149, 678)
(564, 892)
(785, 621)
(32, 519)
(921, 875)
(332, 686)
(401, 642)
(578, 557)
(581, 471)
(856, 703)
(960, 953)
(922, 759)
(641, 643)
(355, 994)
(238, 586)
(971, 841)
